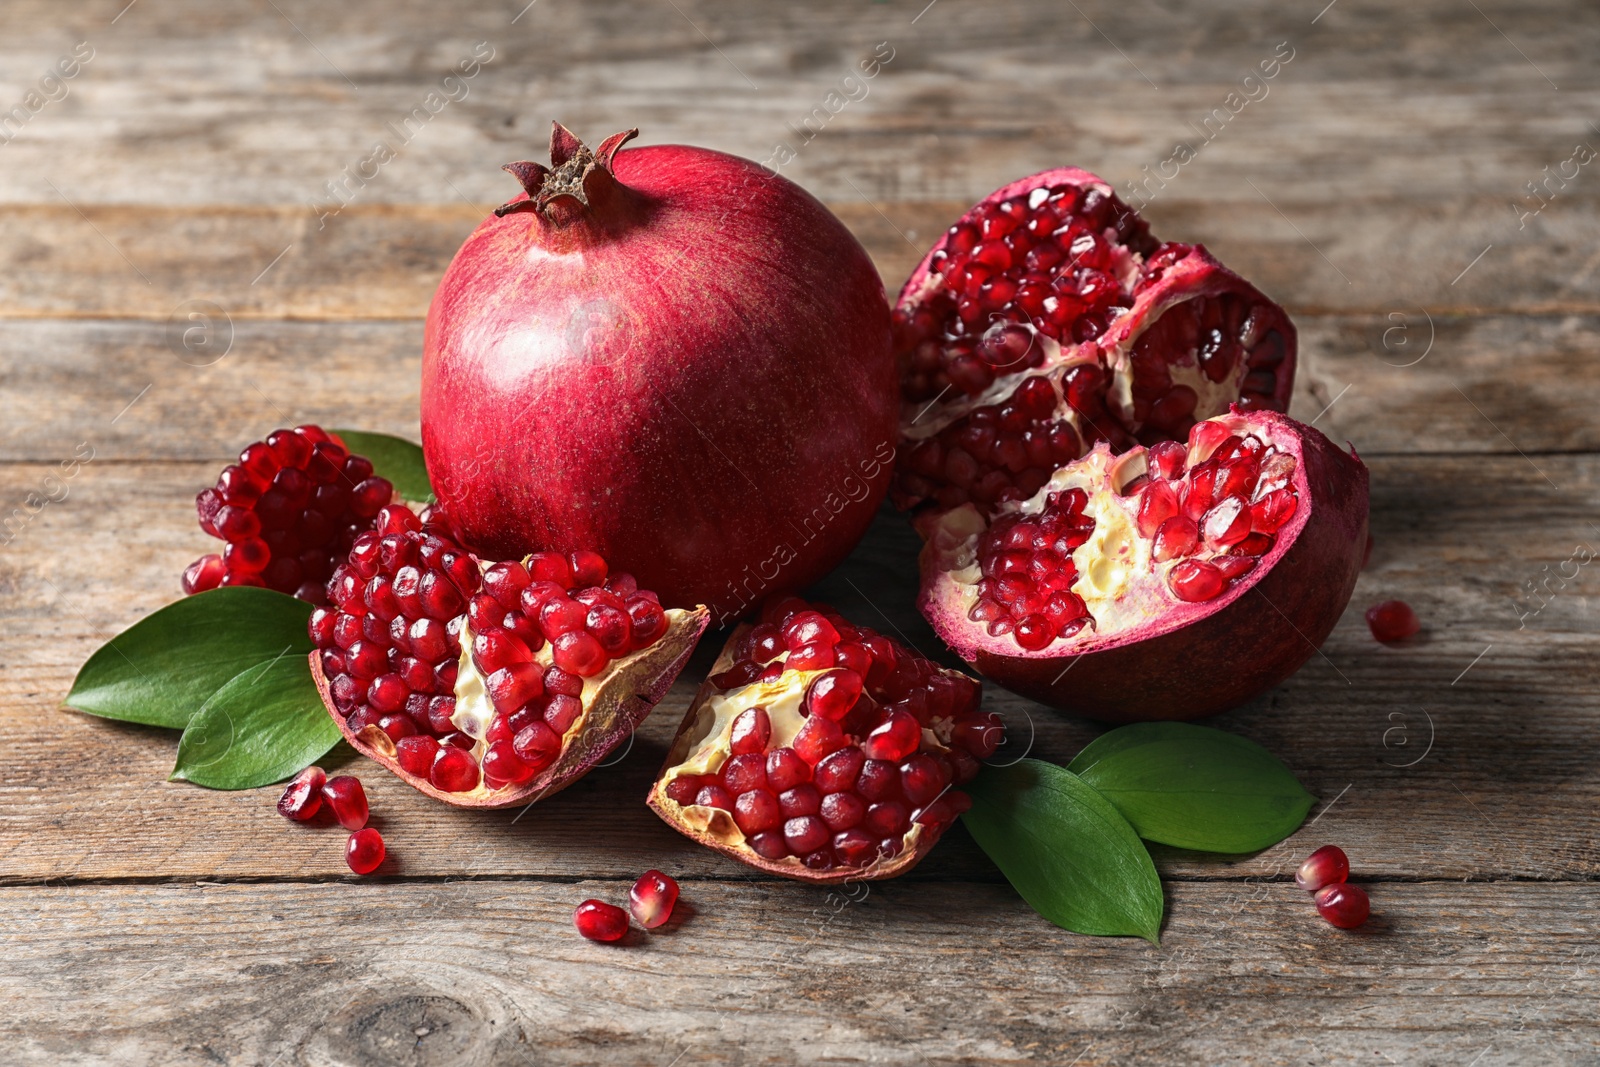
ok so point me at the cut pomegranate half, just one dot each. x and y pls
(823, 751)
(1167, 583)
(1049, 319)
(488, 684)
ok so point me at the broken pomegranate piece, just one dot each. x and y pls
(486, 685)
(1048, 319)
(824, 751)
(289, 510)
(1166, 583)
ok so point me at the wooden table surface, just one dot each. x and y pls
(1380, 188)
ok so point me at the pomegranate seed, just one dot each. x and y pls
(579, 653)
(652, 898)
(348, 801)
(841, 811)
(453, 770)
(806, 834)
(786, 769)
(833, 693)
(537, 745)
(817, 738)
(599, 921)
(502, 764)
(743, 773)
(302, 798)
(1195, 581)
(364, 851)
(894, 740)
(756, 811)
(714, 796)
(751, 731)
(840, 770)
(803, 799)
(1325, 866)
(416, 754)
(1392, 620)
(1345, 906)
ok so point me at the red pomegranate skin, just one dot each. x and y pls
(1202, 659)
(691, 375)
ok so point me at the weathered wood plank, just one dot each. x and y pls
(133, 390)
(383, 260)
(1503, 747)
(489, 972)
(263, 104)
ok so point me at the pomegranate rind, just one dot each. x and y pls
(720, 833)
(1193, 659)
(624, 696)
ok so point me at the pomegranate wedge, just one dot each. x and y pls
(823, 751)
(1166, 583)
(487, 685)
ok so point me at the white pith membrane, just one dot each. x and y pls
(603, 696)
(1119, 581)
(706, 746)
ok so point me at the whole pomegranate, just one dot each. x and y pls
(670, 356)
(1166, 583)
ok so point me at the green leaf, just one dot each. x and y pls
(261, 727)
(393, 458)
(1195, 787)
(1066, 849)
(161, 669)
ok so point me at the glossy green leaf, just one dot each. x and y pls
(261, 727)
(161, 669)
(393, 458)
(1195, 787)
(1066, 849)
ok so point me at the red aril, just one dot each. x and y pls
(1068, 598)
(348, 801)
(1325, 866)
(364, 851)
(1392, 620)
(289, 511)
(652, 899)
(1345, 906)
(302, 797)
(599, 921)
(1049, 319)
(627, 357)
(512, 720)
(857, 771)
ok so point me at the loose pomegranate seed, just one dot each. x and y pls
(1345, 906)
(289, 512)
(302, 798)
(814, 799)
(348, 801)
(599, 921)
(1325, 866)
(652, 898)
(1392, 620)
(364, 851)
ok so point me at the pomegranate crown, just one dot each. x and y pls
(575, 172)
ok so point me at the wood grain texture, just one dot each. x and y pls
(177, 277)
(1501, 787)
(481, 972)
(193, 389)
